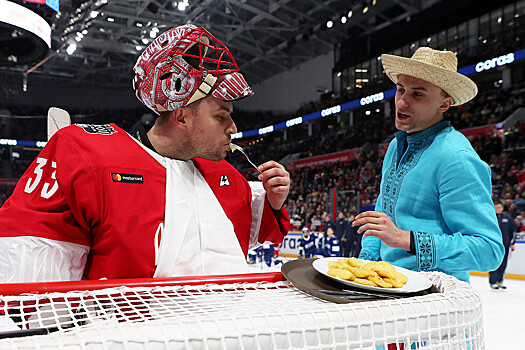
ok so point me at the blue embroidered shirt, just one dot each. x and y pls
(440, 189)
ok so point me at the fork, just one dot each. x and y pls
(234, 147)
(347, 292)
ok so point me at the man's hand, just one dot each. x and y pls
(512, 247)
(276, 183)
(379, 225)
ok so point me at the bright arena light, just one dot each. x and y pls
(329, 24)
(181, 6)
(71, 48)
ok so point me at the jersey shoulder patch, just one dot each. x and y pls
(104, 129)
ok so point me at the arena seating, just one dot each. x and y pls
(310, 186)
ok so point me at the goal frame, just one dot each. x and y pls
(245, 311)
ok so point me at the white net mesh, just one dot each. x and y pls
(263, 315)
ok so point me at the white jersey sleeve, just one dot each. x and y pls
(258, 198)
(22, 257)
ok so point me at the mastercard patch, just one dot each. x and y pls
(127, 178)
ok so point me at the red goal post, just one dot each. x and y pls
(67, 286)
(251, 311)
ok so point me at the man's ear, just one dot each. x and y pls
(180, 116)
(445, 104)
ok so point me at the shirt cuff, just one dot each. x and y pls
(276, 213)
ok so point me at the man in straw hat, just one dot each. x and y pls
(434, 211)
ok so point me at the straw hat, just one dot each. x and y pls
(436, 67)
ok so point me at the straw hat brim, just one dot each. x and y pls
(461, 88)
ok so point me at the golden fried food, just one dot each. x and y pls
(342, 274)
(372, 265)
(364, 273)
(394, 282)
(401, 278)
(373, 273)
(355, 262)
(366, 282)
(336, 265)
(380, 282)
(387, 266)
(352, 275)
(386, 273)
(350, 268)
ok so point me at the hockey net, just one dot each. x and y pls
(259, 311)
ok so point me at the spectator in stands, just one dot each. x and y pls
(519, 225)
(354, 239)
(434, 211)
(315, 223)
(342, 228)
(508, 228)
(99, 203)
(521, 217)
(328, 223)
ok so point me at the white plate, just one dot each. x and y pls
(415, 283)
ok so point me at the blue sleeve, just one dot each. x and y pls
(371, 246)
(465, 200)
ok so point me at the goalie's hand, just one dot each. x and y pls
(276, 183)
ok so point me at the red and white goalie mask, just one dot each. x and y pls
(183, 65)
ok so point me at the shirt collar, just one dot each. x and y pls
(139, 133)
(422, 134)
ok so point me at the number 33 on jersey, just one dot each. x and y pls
(42, 170)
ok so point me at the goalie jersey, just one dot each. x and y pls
(97, 203)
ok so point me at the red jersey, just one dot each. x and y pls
(95, 188)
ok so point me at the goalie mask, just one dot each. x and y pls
(183, 65)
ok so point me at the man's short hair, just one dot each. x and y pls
(194, 106)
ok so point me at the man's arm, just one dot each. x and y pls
(466, 206)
